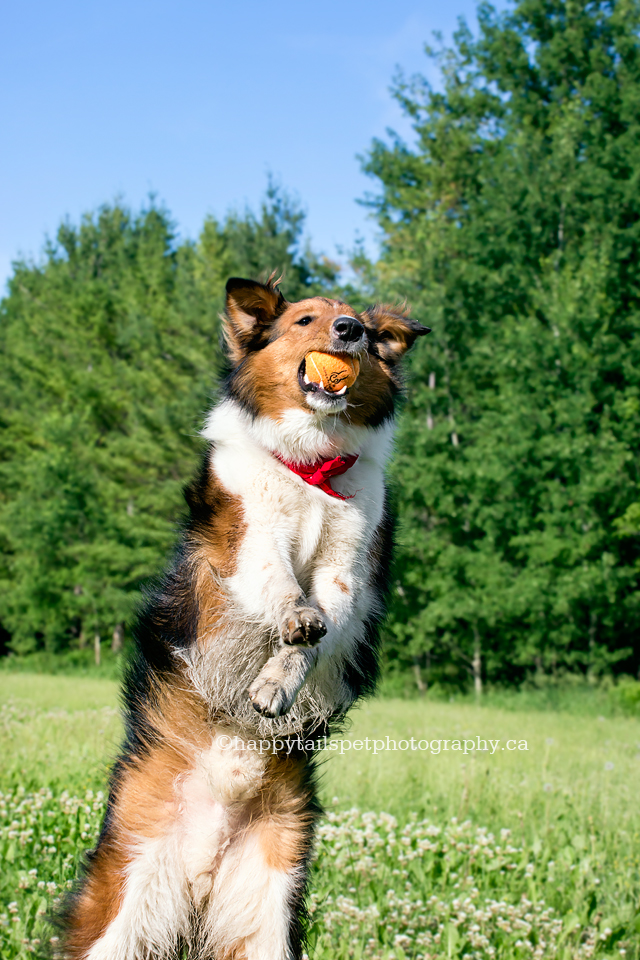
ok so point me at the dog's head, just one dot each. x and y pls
(268, 340)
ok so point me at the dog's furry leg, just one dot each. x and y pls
(254, 911)
(276, 686)
(251, 906)
(152, 909)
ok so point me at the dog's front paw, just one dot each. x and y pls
(269, 697)
(304, 626)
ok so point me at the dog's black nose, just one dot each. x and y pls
(348, 329)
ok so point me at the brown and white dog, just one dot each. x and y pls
(264, 630)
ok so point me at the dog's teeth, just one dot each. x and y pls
(306, 379)
(338, 393)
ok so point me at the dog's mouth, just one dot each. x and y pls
(308, 386)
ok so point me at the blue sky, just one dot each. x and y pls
(198, 102)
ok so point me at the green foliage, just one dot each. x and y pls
(250, 246)
(72, 661)
(513, 226)
(109, 353)
(107, 359)
(626, 695)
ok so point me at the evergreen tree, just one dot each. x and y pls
(513, 226)
(109, 353)
(246, 245)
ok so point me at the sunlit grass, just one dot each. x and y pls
(422, 854)
(591, 763)
(59, 732)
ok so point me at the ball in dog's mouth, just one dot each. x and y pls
(328, 373)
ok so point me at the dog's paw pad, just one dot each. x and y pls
(269, 698)
(305, 627)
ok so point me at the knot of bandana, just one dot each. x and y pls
(319, 474)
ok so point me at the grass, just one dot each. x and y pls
(56, 732)
(503, 853)
(76, 663)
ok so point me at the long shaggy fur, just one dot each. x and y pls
(264, 629)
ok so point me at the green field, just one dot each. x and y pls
(502, 853)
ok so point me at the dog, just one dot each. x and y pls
(264, 631)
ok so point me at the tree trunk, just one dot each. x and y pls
(593, 622)
(476, 663)
(82, 639)
(118, 638)
(421, 685)
(96, 648)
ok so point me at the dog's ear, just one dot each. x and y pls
(391, 330)
(251, 309)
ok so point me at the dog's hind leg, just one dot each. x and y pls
(137, 910)
(135, 902)
(253, 903)
(254, 912)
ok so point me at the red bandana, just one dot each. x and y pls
(319, 474)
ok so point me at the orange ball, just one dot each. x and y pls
(332, 371)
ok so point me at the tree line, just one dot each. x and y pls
(512, 225)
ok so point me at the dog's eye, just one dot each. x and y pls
(305, 321)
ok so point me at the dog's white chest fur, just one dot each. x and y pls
(298, 536)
